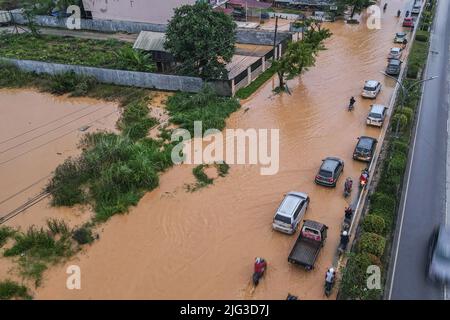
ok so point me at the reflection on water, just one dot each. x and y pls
(179, 245)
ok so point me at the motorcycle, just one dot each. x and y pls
(363, 179)
(291, 297)
(258, 275)
(348, 187)
(328, 287)
(351, 104)
(384, 7)
(399, 13)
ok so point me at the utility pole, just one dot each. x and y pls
(275, 38)
(405, 93)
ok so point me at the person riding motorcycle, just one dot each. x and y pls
(385, 7)
(352, 103)
(329, 276)
(345, 238)
(407, 13)
(348, 213)
(348, 185)
(364, 177)
(260, 266)
(399, 13)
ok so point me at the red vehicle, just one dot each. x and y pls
(408, 22)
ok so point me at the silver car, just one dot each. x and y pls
(290, 212)
(400, 37)
(439, 255)
(395, 53)
(376, 115)
(371, 89)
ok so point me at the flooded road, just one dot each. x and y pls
(201, 245)
(38, 132)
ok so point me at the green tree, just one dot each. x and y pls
(201, 40)
(300, 55)
(357, 5)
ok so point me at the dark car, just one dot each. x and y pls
(330, 171)
(439, 255)
(365, 149)
(394, 66)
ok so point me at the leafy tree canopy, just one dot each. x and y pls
(201, 40)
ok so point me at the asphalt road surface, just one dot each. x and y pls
(423, 205)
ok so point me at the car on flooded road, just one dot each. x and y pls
(365, 149)
(395, 53)
(400, 37)
(394, 67)
(330, 171)
(376, 115)
(371, 89)
(408, 22)
(290, 212)
(416, 9)
(438, 267)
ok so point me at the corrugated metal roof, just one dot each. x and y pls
(150, 41)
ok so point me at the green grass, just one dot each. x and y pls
(111, 54)
(12, 290)
(247, 91)
(5, 234)
(36, 248)
(206, 106)
(418, 55)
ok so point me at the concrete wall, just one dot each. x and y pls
(119, 77)
(245, 36)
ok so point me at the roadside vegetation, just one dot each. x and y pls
(375, 233)
(247, 91)
(12, 290)
(110, 54)
(301, 55)
(205, 106)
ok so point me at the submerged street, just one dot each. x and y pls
(201, 245)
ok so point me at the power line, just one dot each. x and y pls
(36, 199)
(54, 129)
(57, 138)
(25, 189)
(41, 126)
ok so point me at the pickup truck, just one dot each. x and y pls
(308, 245)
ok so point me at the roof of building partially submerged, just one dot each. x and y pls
(150, 41)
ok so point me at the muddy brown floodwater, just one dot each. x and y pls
(38, 132)
(201, 245)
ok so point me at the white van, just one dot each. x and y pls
(290, 212)
(376, 115)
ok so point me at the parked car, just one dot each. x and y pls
(395, 53)
(438, 267)
(394, 66)
(330, 171)
(290, 212)
(400, 37)
(376, 115)
(408, 22)
(416, 9)
(308, 244)
(371, 89)
(365, 149)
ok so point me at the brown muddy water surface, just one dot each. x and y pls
(201, 245)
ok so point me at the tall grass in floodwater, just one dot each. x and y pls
(36, 248)
(205, 106)
(12, 290)
(112, 173)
